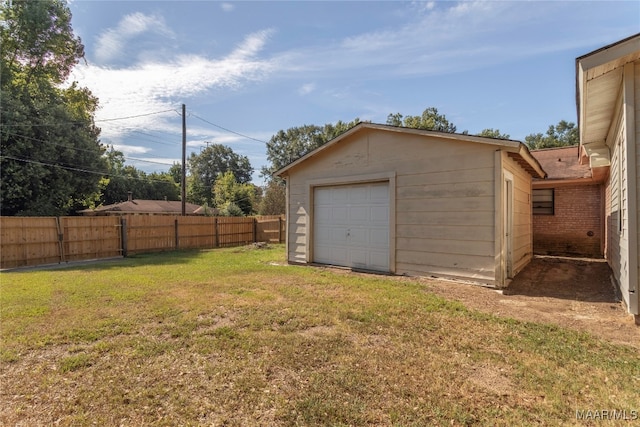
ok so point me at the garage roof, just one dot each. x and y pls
(516, 149)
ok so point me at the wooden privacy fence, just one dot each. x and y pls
(26, 241)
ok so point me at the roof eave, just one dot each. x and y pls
(282, 172)
(525, 159)
(509, 144)
(626, 47)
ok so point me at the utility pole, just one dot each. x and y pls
(183, 195)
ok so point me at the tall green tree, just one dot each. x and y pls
(274, 200)
(561, 135)
(176, 172)
(206, 166)
(494, 133)
(162, 186)
(287, 146)
(51, 159)
(122, 179)
(430, 119)
(229, 194)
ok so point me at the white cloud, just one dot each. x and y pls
(152, 87)
(112, 42)
(131, 149)
(442, 37)
(306, 89)
(227, 7)
(251, 45)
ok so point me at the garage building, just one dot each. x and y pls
(414, 202)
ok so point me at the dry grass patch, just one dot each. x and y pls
(233, 337)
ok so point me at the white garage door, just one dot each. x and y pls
(351, 226)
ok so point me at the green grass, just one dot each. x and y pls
(235, 337)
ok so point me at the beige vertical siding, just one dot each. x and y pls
(522, 216)
(637, 167)
(617, 249)
(444, 200)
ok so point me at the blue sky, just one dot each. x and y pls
(257, 67)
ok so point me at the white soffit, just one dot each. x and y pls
(599, 77)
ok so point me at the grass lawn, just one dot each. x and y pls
(235, 337)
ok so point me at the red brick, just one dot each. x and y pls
(577, 213)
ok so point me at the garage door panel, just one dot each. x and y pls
(339, 215)
(380, 214)
(359, 214)
(351, 226)
(338, 235)
(322, 215)
(322, 198)
(329, 254)
(339, 195)
(358, 236)
(379, 260)
(379, 193)
(359, 195)
(322, 233)
(379, 237)
(359, 258)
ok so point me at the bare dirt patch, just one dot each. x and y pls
(492, 378)
(573, 293)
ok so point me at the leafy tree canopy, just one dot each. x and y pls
(494, 133)
(561, 135)
(51, 159)
(124, 178)
(38, 40)
(429, 120)
(287, 146)
(205, 167)
(229, 194)
(274, 200)
(176, 172)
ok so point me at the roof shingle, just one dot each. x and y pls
(562, 163)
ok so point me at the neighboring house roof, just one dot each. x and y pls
(598, 81)
(562, 163)
(516, 149)
(146, 207)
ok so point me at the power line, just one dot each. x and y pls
(83, 122)
(149, 161)
(135, 117)
(151, 140)
(47, 142)
(90, 151)
(54, 165)
(107, 174)
(227, 130)
(156, 137)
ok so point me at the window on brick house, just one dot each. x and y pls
(543, 201)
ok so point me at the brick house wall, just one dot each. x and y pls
(575, 228)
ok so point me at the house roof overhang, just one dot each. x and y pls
(153, 207)
(515, 149)
(598, 86)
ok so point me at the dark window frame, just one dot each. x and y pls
(543, 207)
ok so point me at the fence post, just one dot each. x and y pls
(176, 232)
(60, 240)
(279, 229)
(215, 231)
(255, 230)
(123, 231)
